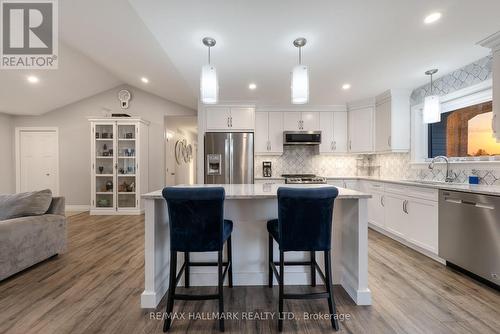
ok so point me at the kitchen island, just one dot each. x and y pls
(250, 206)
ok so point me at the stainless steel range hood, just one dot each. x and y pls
(301, 137)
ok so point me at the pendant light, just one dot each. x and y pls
(300, 77)
(432, 104)
(209, 86)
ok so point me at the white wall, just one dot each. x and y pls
(74, 136)
(7, 173)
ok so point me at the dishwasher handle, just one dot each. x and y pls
(477, 205)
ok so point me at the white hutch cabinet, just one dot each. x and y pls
(119, 165)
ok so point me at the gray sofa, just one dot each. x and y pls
(34, 234)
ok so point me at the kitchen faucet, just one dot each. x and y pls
(450, 176)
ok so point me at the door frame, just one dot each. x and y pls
(18, 131)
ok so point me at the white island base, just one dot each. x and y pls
(250, 206)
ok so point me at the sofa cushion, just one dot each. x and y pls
(25, 204)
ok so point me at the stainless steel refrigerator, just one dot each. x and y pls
(229, 157)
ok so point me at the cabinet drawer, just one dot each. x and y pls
(396, 189)
(423, 193)
(374, 186)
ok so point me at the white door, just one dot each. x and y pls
(217, 118)
(383, 127)
(261, 132)
(242, 119)
(340, 132)
(292, 121)
(38, 160)
(326, 128)
(310, 121)
(275, 129)
(361, 130)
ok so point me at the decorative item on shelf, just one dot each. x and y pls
(103, 202)
(129, 135)
(124, 97)
(97, 135)
(110, 151)
(473, 179)
(105, 135)
(123, 187)
(121, 171)
(120, 115)
(131, 188)
(105, 154)
(101, 169)
(109, 185)
(105, 147)
(130, 169)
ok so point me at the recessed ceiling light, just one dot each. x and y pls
(144, 80)
(346, 86)
(32, 79)
(252, 86)
(431, 18)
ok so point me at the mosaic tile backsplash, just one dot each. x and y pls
(466, 76)
(298, 160)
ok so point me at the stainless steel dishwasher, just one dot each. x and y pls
(469, 233)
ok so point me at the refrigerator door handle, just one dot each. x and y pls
(227, 162)
(231, 159)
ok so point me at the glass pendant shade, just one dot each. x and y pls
(209, 86)
(432, 109)
(300, 85)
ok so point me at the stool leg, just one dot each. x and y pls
(230, 261)
(329, 289)
(313, 268)
(281, 288)
(171, 290)
(270, 254)
(221, 295)
(186, 270)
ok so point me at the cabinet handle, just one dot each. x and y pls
(231, 121)
(389, 141)
(404, 203)
(382, 200)
(228, 123)
(334, 145)
(350, 145)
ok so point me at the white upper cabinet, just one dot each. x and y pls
(268, 132)
(392, 122)
(310, 121)
(218, 118)
(301, 121)
(333, 126)
(230, 118)
(360, 129)
(242, 118)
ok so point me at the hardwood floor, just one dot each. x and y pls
(95, 288)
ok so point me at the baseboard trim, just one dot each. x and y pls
(407, 243)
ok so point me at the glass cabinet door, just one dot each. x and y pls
(104, 165)
(126, 165)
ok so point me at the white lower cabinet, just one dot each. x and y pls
(271, 181)
(406, 213)
(422, 229)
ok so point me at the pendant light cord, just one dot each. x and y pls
(300, 55)
(209, 55)
(431, 86)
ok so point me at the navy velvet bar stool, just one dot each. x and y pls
(304, 224)
(197, 224)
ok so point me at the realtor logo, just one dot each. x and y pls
(29, 36)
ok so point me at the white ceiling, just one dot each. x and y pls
(373, 45)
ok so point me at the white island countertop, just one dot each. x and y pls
(250, 207)
(246, 191)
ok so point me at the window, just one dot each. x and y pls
(464, 132)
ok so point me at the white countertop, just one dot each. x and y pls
(260, 191)
(470, 188)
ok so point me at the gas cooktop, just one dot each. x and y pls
(303, 179)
